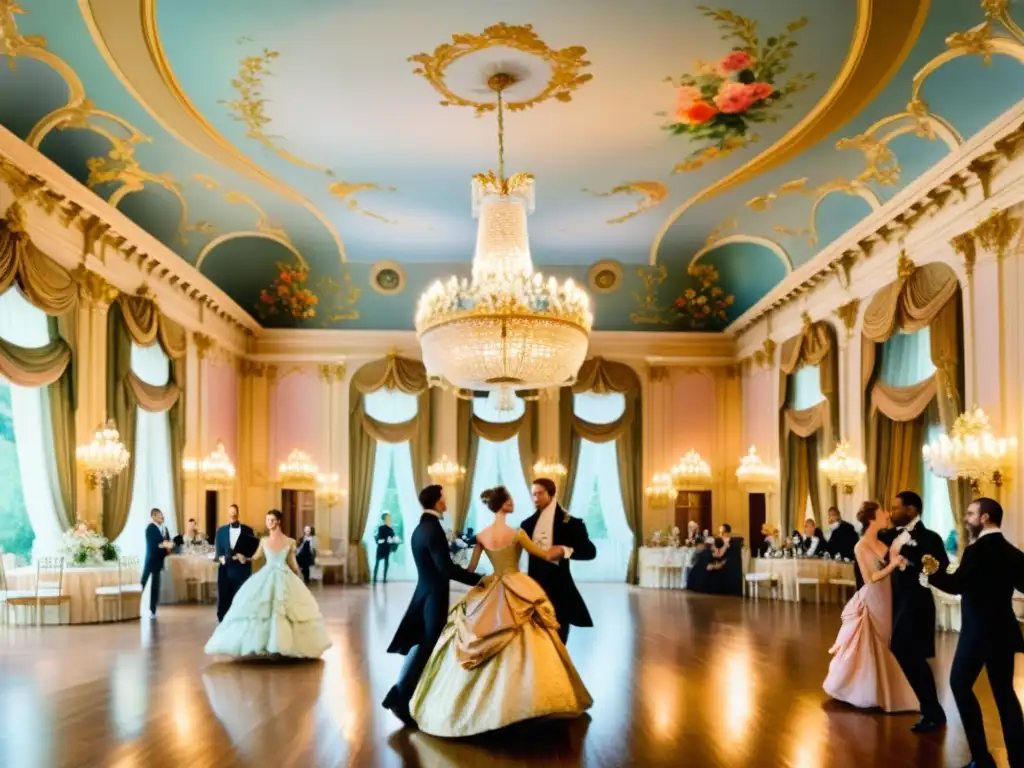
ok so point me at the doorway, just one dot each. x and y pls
(298, 509)
(757, 508)
(696, 506)
(211, 519)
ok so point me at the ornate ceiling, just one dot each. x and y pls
(314, 158)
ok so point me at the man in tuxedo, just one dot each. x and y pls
(913, 608)
(990, 636)
(813, 543)
(842, 536)
(425, 617)
(158, 544)
(383, 538)
(551, 525)
(305, 555)
(233, 546)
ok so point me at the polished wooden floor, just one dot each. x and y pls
(678, 679)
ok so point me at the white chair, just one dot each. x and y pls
(128, 570)
(804, 578)
(10, 598)
(753, 582)
(843, 585)
(48, 589)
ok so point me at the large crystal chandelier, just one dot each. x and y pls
(972, 452)
(105, 457)
(215, 469)
(754, 474)
(299, 469)
(550, 468)
(660, 493)
(507, 328)
(691, 472)
(329, 490)
(446, 471)
(843, 470)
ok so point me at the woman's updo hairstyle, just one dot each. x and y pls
(495, 498)
(867, 512)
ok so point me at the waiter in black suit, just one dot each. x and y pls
(548, 526)
(425, 617)
(158, 544)
(305, 555)
(913, 607)
(842, 536)
(234, 545)
(990, 636)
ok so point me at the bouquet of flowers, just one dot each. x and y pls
(85, 547)
(288, 295)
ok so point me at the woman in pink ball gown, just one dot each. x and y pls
(863, 671)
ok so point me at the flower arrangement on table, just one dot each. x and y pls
(288, 294)
(722, 102)
(85, 547)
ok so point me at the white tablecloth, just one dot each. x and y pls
(80, 585)
(665, 567)
(947, 610)
(178, 569)
(787, 570)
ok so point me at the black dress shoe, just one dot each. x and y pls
(399, 708)
(927, 725)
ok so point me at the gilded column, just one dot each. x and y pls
(333, 438)
(255, 474)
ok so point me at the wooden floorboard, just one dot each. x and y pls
(678, 679)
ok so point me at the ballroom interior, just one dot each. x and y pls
(716, 265)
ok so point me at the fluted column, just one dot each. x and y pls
(256, 476)
(332, 519)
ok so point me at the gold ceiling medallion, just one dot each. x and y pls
(651, 194)
(605, 276)
(565, 64)
(387, 278)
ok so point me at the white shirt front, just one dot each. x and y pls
(544, 531)
(233, 534)
(815, 541)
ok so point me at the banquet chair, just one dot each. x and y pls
(804, 578)
(842, 585)
(128, 570)
(754, 581)
(10, 598)
(48, 589)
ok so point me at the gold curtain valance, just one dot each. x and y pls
(808, 421)
(602, 376)
(392, 372)
(605, 433)
(808, 348)
(499, 431)
(910, 303)
(43, 281)
(147, 325)
(34, 366)
(152, 398)
(385, 432)
(903, 403)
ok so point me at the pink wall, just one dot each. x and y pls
(221, 407)
(694, 415)
(760, 413)
(295, 416)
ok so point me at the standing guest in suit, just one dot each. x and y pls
(305, 554)
(551, 525)
(425, 617)
(385, 538)
(813, 543)
(990, 636)
(842, 536)
(158, 544)
(913, 607)
(235, 544)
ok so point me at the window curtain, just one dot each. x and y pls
(600, 376)
(925, 297)
(397, 374)
(136, 321)
(809, 419)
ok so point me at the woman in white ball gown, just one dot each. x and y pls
(274, 614)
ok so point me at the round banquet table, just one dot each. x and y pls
(179, 570)
(788, 569)
(664, 567)
(79, 584)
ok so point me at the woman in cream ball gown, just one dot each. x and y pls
(499, 660)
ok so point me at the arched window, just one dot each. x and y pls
(597, 493)
(153, 482)
(29, 524)
(394, 489)
(806, 388)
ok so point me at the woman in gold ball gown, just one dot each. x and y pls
(499, 660)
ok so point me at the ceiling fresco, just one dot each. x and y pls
(314, 158)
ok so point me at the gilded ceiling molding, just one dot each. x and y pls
(128, 39)
(995, 234)
(203, 344)
(333, 372)
(882, 29)
(764, 242)
(848, 313)
(93, 290)
(651, 194)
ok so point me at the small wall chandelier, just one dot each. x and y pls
(691, 472)
(843, 470)
(552, 469)
(104, 458)
(660, 493)
(971, 452)
(446, 471)
(328, 489)
(215, 469)
(754, 475)
(298, 470)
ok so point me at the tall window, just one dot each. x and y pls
(16, 534)
(806, 388)
(394, 488)
(597, 493)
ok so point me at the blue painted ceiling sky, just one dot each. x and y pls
(705, 149)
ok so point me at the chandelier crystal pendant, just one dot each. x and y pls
(446, 471)
(217, 467)
(660, 493)
(508, 328)
(843, 470)
(754, 475)
(298, 470)
(691, 472)
(971, 452)
(549, 468)
(105, 457)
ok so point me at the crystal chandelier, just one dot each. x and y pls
(972, 453)
(550, 469)
(215, 469)
(507, 328)
(105, 457)
(299, 469)
(843, 470)
(328, 489)
(660, 493)
(446, 471)
(754, 474)
(691, 472)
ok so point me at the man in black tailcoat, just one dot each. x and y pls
(842, 536)
(425, 617)
(158, 545)
(549, 526)
(990, 636)
(913, 607)
(235, 543)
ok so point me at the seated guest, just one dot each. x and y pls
(192, 535)
(842, 536)
(796, 541)
(718, 570)
(692, 534)
(813, 544)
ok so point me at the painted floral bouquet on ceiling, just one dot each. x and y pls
(722, 102)
(84, 547)
(288, 295)
(707, 303)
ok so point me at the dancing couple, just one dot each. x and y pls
(500, 657)
(880, 658)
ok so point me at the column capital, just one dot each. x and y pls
(93, 290)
